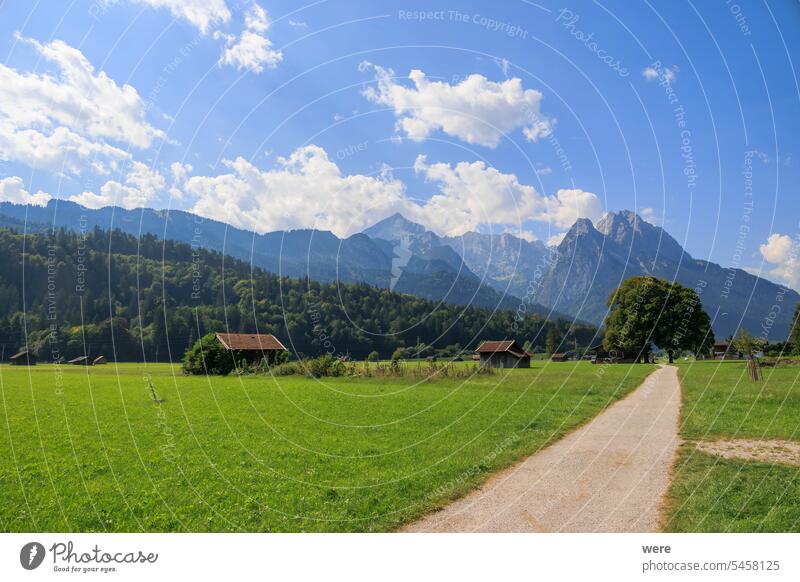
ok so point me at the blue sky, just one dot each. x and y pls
(518, 116)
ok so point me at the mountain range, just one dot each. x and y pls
(499, 271)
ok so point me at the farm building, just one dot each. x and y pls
(23, 358)
(100, 360)
(598, 352)
(559, 357)
(724, 350)
(503, 354)
(252, 347)
(81, 361)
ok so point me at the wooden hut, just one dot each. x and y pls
(100, 360)
(252, 347)
(724, 350)
(23, 358)
(503, 354)
(81, 361)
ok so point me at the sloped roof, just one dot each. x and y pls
(250, 341)
(501, 346)
(22, 354)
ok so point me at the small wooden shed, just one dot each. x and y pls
(724, 350)
(23, 358)
(252, 347)
(100, 360)
(503, 354)
(81, 361)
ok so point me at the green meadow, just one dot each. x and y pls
(87, 449)
(712, 494)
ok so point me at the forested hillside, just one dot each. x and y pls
(142, 298)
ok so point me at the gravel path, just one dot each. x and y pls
(608, 476)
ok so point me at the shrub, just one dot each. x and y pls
(278, 358)
(373, 357)
(287, 369)
(326, 365)
(208, 356)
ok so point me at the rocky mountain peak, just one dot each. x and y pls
(618, 224)
(394, 228)
(582, 227)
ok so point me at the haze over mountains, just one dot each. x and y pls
(489, 270)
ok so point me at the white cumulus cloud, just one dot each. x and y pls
(783, 252)
(68, 119)
(305, 190)
(471, 194)
(476, 110)
(777, 249)
(57, 150)
(252, 51)
(12, 189)
(202, 14)
(256, 18)
(142, 184)
(568, 205)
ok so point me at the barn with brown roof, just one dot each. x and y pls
(252, 347)
(503, 354)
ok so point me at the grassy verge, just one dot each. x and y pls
(713, 494)
(88, 450)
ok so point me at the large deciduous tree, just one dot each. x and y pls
(647, 310)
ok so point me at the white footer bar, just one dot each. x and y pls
(381, 557)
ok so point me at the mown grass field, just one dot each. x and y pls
(713, 494)
(88, 450)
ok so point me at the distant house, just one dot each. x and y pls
(598, 351)
(559, 357)
(81, 361)
(252, 347)
(503, 354)
(600, 354)
(23, 358)
(724, 350)
(100, 360)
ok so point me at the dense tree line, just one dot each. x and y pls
(66, 294)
